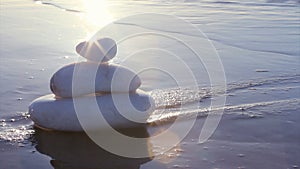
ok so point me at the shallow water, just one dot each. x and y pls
(257, 42)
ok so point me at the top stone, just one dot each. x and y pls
(101, 50)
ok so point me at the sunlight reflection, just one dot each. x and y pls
(161, 145)
(97, 12)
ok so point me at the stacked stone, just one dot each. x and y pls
(114, 87)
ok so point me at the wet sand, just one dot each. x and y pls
(258, 45)
(237, 143)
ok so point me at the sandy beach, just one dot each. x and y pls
(256, 42)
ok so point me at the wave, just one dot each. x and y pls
(212, 38)
(173, 103)
(175, 97)
(21, 129)
(244, 110)
(16, 128)
(274, 3)
(57, 6)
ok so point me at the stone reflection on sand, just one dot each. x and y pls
(72, 150)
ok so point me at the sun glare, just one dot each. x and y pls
(97, 12)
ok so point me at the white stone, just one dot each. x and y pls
(59, 114)
(101, 50)
(90, 77)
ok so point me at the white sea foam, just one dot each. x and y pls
(261, 31)
(252, 110)
(175, 102)
(16, 129)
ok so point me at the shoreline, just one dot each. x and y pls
(236, 143)
(258, 47)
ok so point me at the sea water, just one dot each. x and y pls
(257, 42)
